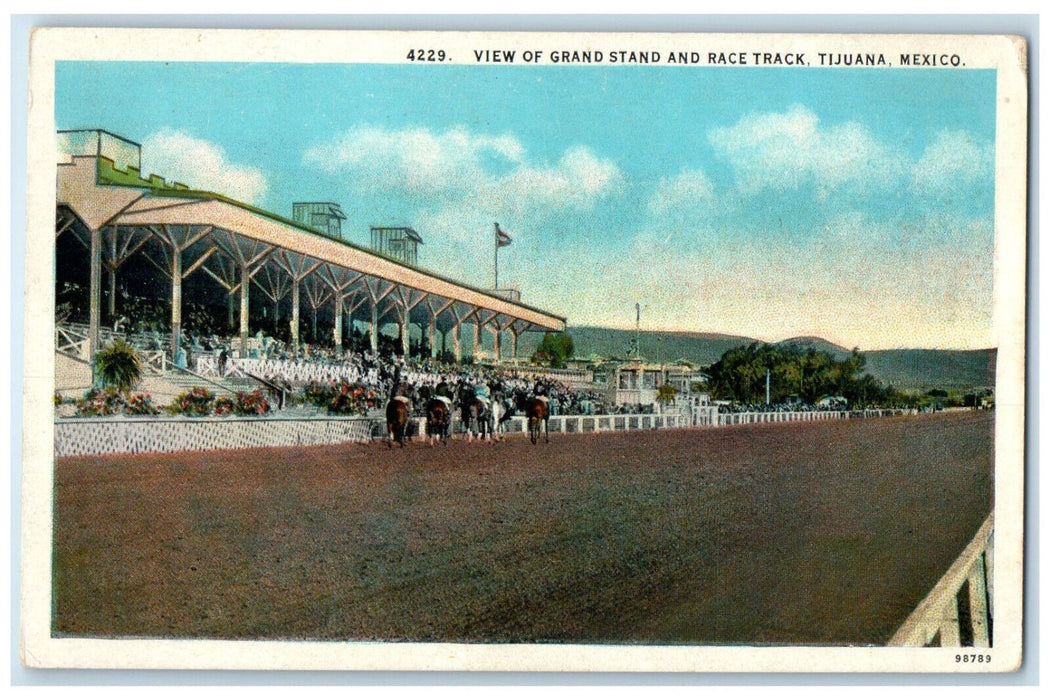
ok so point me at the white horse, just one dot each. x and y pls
(495, 413)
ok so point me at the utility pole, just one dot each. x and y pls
(637, 329)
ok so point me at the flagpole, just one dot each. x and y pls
(495, 254)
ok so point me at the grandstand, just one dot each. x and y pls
(203, 246)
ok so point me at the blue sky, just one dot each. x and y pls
(856, 205)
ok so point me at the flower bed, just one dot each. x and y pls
(201, 402)
(341, 398)
(111, 402)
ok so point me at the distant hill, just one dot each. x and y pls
(819, 344)
(914, 369)
(928, 369)
(655, 346)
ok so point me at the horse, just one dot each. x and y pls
(439, 418)
(496, 420)
(476, 413)
(507, 409)
(398, 411)
(538, 411)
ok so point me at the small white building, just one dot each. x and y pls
(638, 382)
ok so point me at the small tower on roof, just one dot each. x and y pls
(399, 242)
(326, 217)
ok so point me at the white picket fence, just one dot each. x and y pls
(936, 621)
(604, 423)
(709, 416)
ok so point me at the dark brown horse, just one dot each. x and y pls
(438, 419)
(397, 413)
(537, 411)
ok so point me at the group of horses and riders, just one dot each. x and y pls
(483, 410)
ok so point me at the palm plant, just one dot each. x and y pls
(118, 366)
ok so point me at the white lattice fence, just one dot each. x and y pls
(86, 436)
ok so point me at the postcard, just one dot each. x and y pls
(524, 351)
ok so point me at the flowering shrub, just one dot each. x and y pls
(353, 400)
(318, 394)
(196, 402)
(224, 406)
(140, 405)
(251, 403)
(100, 402)
(341, 398)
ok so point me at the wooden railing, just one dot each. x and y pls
(958, 611)
(72, 342)
(155, 362)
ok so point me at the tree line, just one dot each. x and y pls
(795, 374)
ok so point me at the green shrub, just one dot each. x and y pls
(140, 405)
(118, 366)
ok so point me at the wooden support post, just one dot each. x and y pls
(457, 341)
(295, 319)
(979, 604)
(431, 329)
(176, 299)
(496, 341)
(245, 283)
(476, 338)
(337, 329)
(94, 293)
(112, 268)
(950, 633)
(404, 328)
(374, 327)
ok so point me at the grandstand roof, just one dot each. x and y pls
(102, 194)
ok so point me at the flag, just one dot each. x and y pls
(502, 239)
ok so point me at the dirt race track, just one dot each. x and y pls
(823, 533)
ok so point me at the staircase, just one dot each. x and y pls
(227, 387)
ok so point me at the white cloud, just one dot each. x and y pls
(453, 185)
(954, 158)
(415, 160)
(782, 151)
(458, 165)
(578, 180)
(177, 155)
(687, 190)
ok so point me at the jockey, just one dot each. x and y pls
(395, 385)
